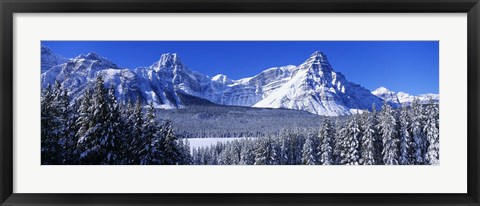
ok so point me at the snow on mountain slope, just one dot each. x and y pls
(169, 76)
(49, 59)
(248, 91)
(386, 95)
(312, 86)
(315, 87)
(402, 97)
(80, 72)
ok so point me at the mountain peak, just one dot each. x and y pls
(169, 59)
(318, 54)
(222, 78)
(50, 59)
(46, 50)
(92, 56)
(318, 58)
(381, 90)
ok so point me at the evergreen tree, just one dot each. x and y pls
(136, 124)
(47, 121)
(338, 148)
(432, 133)
(150, 139)
(265, 154)
(98, 142)
(308, 152)
(69, 145)
(127, 132)
(419, 139)
(389, 136)
(235, 150)
(247, 155)
(56, 120)
(169, 147)
(378, 141)
(405, 137)
(113, 140)
(288, 148)
(350, 144)
(187, 156)
(197, 156)
(85, 116)
(326, 136)
(367, 141)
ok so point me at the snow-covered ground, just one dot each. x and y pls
(203, 142)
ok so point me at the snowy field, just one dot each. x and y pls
(204, 142)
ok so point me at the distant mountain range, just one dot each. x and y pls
(404, 98)
(312, 86)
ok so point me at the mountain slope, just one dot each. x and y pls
(404, 98)
(315, 87)
(312, 86)
(49, 59)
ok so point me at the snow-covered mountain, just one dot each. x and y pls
(315, 87)
(312, 86)
(404, 98)
(49, 59)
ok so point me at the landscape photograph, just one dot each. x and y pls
(317, 103)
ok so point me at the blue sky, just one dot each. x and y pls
(409, 66)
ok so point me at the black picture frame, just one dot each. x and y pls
(9, 7)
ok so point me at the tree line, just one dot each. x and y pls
(405, 136)
(96, 129)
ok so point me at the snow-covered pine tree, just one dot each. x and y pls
(149, 152)
(350, 154)
(224, 156)
(56, 122)
(284, 150)
(47, 122)
(309, 152)
(135, 130)
(377, 142)
(406, 141)
(93, 139)
(433, 133)
(235, 152)
(212, 155)
(419, 138)
(69, 147)
(127, 132)
(367, 141)
(288, 147)
(61, 103)
(263, 151)
(326, 136)
(98, 142)
(169, 146)
(247, 155)
(387, 125)
(187, 156)
(113, 142)
(273, 157)
(85, 117)
(197, 156)
(338, 147)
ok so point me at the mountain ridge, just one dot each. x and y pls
(312, 86)
(404, 98)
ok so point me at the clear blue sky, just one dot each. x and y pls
(409, 66)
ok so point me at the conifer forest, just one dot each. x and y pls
(99, 129)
